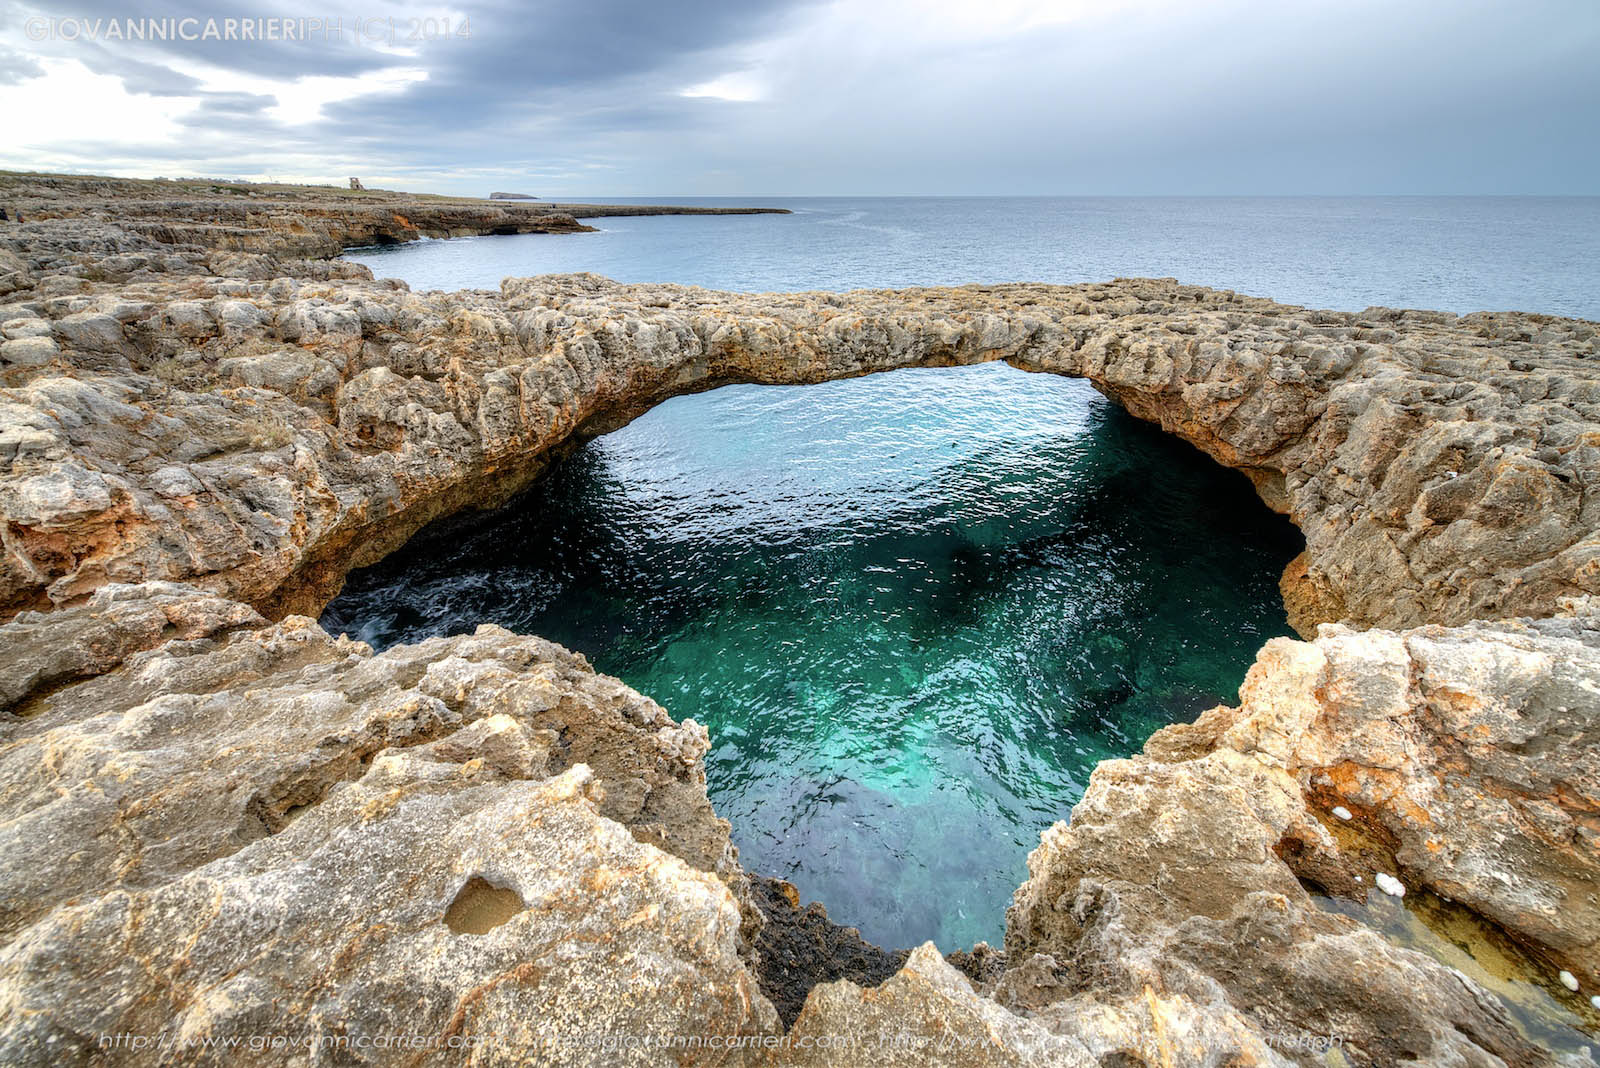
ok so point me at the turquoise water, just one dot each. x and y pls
(914, 610)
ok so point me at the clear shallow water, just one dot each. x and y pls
(1458, 254)
(914, 611)
(1538, 1005)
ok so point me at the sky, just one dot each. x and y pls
(590, 98)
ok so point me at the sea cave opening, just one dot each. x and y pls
(914, 610)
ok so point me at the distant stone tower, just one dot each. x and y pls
(355, 183)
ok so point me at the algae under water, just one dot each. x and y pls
(913, 609)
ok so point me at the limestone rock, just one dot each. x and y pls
(218, 827)
(1469, 755)
(14, 274)
(1441, 468)
(927, 1014)
(43, 650)
(286, 220)
(28, 351)
(205, 744)
(229, 782)
(1184, 869)
(351, 923)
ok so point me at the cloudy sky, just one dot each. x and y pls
(613, 97)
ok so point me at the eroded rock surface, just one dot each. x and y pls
(260, 425)
(186, 829)
(1429, 756)
(47, 649)
(800, 948)
(223, 824)
(249, 829)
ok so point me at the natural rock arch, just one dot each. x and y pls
(258, 425)
(263, 440)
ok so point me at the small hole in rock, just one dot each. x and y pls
(481, 906)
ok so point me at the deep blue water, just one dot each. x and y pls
(915, 609)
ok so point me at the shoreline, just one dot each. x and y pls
(89, 186)
(318, 222)
(208, 425)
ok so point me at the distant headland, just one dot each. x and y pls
(300, 220)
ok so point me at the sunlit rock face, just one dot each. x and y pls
(228, 826)
(294, 834)
(489, 805)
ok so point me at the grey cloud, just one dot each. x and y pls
(523, 72)
(1241, 96)
(571, 58)
(138, 76)
(16, 67)
(229, 107)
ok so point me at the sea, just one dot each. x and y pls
(916, 609)
(1456, 254)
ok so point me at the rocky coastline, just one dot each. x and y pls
(317, 222)
(223, 821)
